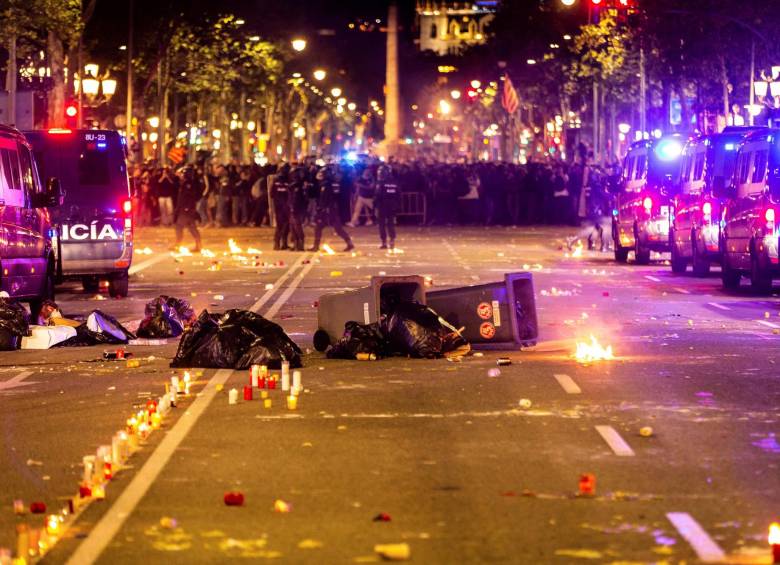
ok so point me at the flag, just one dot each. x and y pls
(509, 99)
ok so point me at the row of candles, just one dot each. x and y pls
(260, 378)
(98, 469)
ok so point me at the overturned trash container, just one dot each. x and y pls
(500, 315)
(364, 305)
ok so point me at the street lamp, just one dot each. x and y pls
(475, 83)
(455, 94)
(298, 44)
(445, 107)
(320, 74)
(568, 2)
(335, 92)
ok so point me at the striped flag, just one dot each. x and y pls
(509, 99)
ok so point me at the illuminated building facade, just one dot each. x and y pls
(447, 27)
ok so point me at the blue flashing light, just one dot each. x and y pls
(351, 156)
(668, 149)
(730, 147)
(614, 212)
(102, 145)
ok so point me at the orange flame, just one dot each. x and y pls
(774, 533)
(593, 351)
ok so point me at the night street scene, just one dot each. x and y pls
(428, 281)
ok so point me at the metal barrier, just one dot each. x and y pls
(413, 205)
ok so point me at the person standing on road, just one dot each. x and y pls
(365, 199)
(166, 189)
(387, 203)
(241, 193)
(299, 202)
(186, 214)
(224, 196)
(280, 195)
(328, 209)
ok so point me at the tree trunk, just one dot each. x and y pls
(724, 79)
(685, 114)
(10, 80)
(57, 93)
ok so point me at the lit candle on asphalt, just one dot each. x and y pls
(233, 396)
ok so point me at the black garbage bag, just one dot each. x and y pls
(14, 324)
(360, 338)
(236, 339)
(99, 329)
(416, 330)
(165, 316)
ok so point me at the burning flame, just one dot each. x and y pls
(207, 253)
(328, 249)
(254, 251)
(577, 250)
(144, 251)
(593, 351)
(774, 533)
(234, 248)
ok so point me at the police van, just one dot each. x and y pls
(94, 225)
(27, 258)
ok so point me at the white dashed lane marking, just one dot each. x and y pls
(768, 324)
(615, 442)
(682, 290)
(652, 278)
(719, 306)
(705, 547)
(568, 384)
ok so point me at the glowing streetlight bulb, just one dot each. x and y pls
(568, 2)
(336, 92)
(298, 44)
(320, 74)
(455, 94)
(444, 107)
(475, 83)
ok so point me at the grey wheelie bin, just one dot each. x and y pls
(499, 315)
(363, 305)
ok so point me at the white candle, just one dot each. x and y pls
(296, 384)
(89, 468)
(116, 450)
(254, 371)
(233, 396)
(285, 380)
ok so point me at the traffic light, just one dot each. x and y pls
(71, 114)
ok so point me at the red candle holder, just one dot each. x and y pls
(271, 383)
(587, 484)
(247, 393)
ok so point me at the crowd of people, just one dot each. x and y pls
(367, 192)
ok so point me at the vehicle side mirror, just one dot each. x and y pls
(52, 196)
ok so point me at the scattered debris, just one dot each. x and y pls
(234, 498)
(393, 551)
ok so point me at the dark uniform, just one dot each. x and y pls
(186, 213)
(328, 209)
(299, 202)
(386, 203)
(280, 195)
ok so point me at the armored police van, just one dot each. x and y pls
(94, 226)
(27, 259)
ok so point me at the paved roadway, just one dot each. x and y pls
(466, 473)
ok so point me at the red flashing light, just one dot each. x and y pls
(707, 209)
(71, 110)
(60, 131)
(127, 206)
(769, 215)
(595, 2)
(648, 204)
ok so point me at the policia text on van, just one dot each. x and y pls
(94, 225)
(27, 258)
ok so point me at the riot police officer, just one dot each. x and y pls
(186, 213)
(299, 202)
(328, 208)
(386, 203)
(280, 195)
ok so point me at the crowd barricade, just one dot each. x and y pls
(413, 205)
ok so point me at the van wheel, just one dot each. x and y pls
(701, 266)
(621, 253)
(47, 293)
(641, 253)
(90, 284)
(679, 264)
(760, 279)
(729, 277)
(118, 285)
(321, 340)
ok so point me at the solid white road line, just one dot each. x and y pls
(288, 292)
(616, 443)
(15, 381)
(277, 284)
(568, 384)
(108, 526)
(705, 547)
(652, 278)
(138, 267)
(681, 290)
(718, 306)
(768, 324)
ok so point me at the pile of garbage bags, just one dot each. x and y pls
(99, 329)
(236, 339)
(405, 328)
(166, 316)
(14, 324)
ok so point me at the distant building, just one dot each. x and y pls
(448, 27)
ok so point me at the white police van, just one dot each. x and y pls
(94, 225)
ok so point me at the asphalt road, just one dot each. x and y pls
(469, 467)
